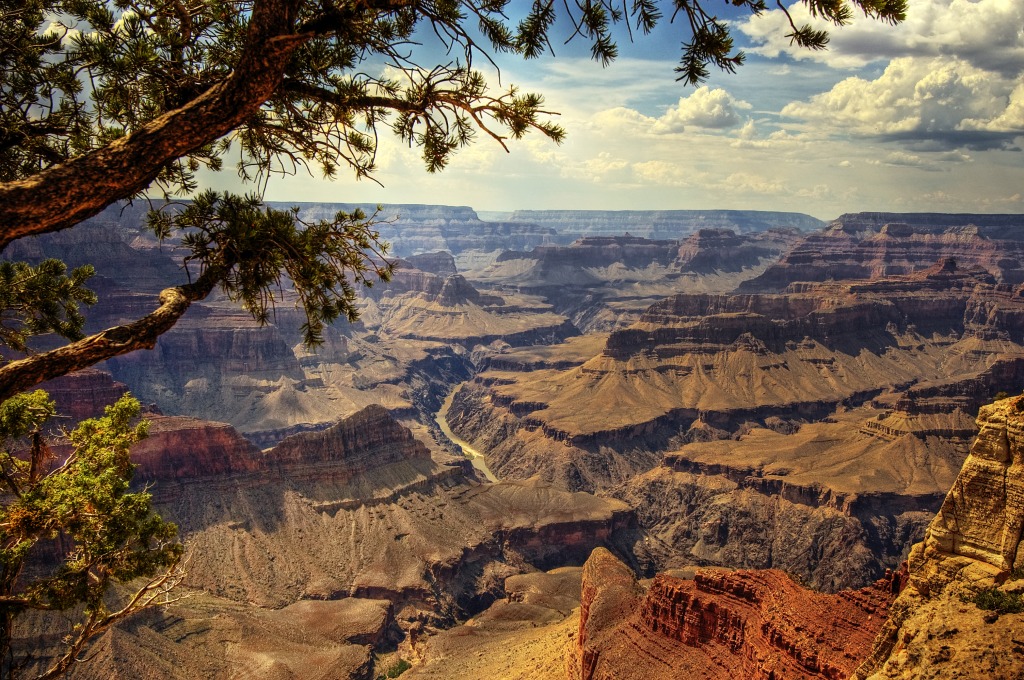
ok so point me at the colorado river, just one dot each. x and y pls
(475, 457)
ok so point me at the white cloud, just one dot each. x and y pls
(936, 103)
(985, 33)
(621, 119)
(705, 108)
(1010, 120)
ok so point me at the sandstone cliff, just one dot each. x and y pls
(870, 245)
(813, 431)
(601, 282)
(730, 625)
(972, 547)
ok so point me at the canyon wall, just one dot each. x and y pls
(938, 627)
(870, 245)
(661, 223)
(814, 431)
(718, 624)
(605, 282)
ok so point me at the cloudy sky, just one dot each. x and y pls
(925, 116)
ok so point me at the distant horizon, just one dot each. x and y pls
(480, 211)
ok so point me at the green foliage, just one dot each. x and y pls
(40, 299)
(396, 669)
(68, 533)
(996, 600)
(250, 250)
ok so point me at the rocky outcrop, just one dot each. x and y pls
(722, 250)
(441, 263)
(603, 281)
(870, 245)
(181, 449)
(736, 625)
(83, 394)
(661, 223)
(366, 440)
(938, 627)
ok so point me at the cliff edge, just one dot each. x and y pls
(741, 625)
(959, 616)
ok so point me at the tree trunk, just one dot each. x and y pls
(66, 194)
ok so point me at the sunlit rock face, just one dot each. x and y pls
(870, 245)
(756, 430)
(718, 624)
(973, 545)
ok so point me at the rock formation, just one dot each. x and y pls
(762, 430)
(719, 624)
(699, 364)
(413, 229)
(83, 394)
(936, 628)
(656, 224)
(604, 282)
(871, 245)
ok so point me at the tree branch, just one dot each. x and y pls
(18, 376)
(62, 196)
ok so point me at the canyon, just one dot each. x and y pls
(717, 438)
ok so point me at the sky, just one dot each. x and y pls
(924, 116)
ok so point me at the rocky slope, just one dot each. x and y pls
(813, 431)
(936, 628)
(603, 282)
(308, 556)
(869, 245)
(730, 625)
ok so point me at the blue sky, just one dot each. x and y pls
(925, 116)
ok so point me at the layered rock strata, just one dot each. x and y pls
(413, 229)
(607, 281)
(871, 245)
(661, 223)
(937, 627)
(736, 625)
(701, 366)
(814, 431)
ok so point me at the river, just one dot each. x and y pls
(475, 457)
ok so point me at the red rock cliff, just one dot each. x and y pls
(731, 625)
(186, 448)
